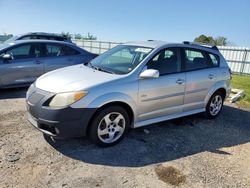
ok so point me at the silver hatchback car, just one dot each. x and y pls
(129, 86)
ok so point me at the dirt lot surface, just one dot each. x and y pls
(190, 152)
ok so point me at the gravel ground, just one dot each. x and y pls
(189, 152)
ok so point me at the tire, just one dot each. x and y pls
(214, 105)
(109, 126)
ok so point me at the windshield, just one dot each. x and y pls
(121, 59)
(12, 39)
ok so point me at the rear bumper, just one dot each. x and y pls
(64, 122)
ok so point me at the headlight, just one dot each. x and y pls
(30, 90)
(65, 99)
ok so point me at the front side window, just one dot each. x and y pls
(195, 60)
(121, 59)
(25, 51)
(166, 61)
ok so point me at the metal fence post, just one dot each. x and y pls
(83, 44)
(243, 62)
(100, 47)
(91, 45)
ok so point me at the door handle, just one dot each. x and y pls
(210, 76)
(180, 81)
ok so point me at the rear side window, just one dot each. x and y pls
(70, 51)
(53, 50)
(194, 60)
(214, 60)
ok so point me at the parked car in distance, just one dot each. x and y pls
(23, 61)
(39, 35)
(130, 86)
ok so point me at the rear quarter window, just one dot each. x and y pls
(214, 60)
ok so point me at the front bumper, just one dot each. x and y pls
(60, 122)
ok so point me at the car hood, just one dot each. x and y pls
(73, 78)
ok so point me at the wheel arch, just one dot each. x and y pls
(122, 104)
(216, 88)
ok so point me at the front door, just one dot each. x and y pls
(164, 95)
(25, 66)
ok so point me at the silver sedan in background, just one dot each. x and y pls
(23, 61)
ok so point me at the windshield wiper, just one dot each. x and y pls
(105, 70)
(98, 68)
(91, 65)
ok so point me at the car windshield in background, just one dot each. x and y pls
(12, 39)
(121, 59)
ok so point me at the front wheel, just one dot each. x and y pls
(214, 105)
(109, 126)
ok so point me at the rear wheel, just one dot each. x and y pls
(109, 126)
(214, 105)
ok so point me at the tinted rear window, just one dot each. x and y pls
(54, 50)
(195, 59)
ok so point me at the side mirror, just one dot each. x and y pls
(7, 57)
(150, 73)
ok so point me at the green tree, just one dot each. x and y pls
(221, 41)
(78, 36)
(67, 35)
(209, 40)
(90, 37)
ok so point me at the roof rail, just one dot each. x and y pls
(200, 44)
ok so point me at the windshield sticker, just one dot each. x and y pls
(143, 50)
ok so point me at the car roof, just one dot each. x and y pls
(44, 34)
(40, 41)
(6, 45)
(161, 44)
(149, 43)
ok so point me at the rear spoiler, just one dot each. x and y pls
(200, 44)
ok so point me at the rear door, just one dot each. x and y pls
(164, 95)
(25, 66)
(201, 75)
(57, 56)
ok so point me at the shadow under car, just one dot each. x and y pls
(164, 141)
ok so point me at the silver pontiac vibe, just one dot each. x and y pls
(129, 86)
